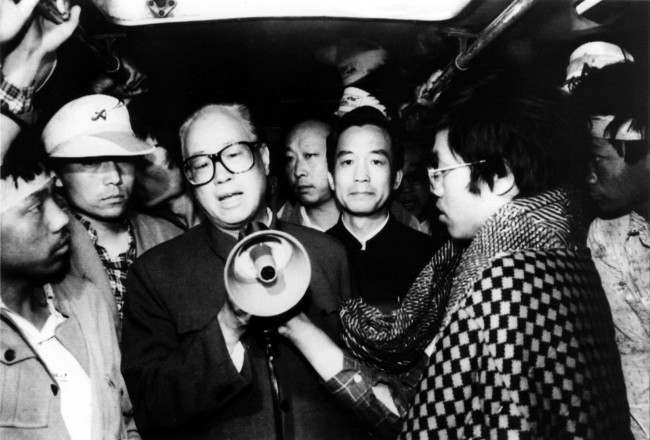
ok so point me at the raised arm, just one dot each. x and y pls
(20, 67)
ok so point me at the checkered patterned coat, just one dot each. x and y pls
(526, 348)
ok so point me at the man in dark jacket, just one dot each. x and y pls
(365, 168)
(192, 368)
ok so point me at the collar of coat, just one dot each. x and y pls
(550, 220)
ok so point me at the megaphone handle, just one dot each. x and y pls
(275, 388)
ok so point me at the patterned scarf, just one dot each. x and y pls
(395, 342)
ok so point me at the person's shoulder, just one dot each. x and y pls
(316, 241)
(82, 294)
(406, 231)
(540, 269)
(410, 238)
(176, 248)
(141, 219)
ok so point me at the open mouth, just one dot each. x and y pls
(227, 196)
(62, 246)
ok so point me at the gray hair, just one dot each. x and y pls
(239, 111)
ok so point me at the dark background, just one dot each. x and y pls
(271, 64)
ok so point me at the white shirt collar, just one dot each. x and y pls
(34, 335)
(370, 235)
(306, 221)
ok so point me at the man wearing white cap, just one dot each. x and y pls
(619, 240)
(94, 153)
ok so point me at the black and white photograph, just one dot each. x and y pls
(341, 220)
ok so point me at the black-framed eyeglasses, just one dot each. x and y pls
(236, 158)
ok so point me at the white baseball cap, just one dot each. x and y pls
(92, 126)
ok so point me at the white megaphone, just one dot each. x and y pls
(267, 273)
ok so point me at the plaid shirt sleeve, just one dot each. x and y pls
(352, 386)
(16, 100)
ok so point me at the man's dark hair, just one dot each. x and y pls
(619, 90)
(359, 117)
(25, 158)
(512, 124)
(146, 122)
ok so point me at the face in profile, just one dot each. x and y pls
(362, 178)
(306, 163)
(35, 240)
(615, 185)
(462, 212)
(230, 200)
(99, 188)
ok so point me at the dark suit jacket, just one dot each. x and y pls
(175, 363)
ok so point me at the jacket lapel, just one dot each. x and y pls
(70, 332)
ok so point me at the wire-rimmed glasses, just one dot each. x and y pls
(436, 174)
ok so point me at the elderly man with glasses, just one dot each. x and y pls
(507, 332)
(192, 368)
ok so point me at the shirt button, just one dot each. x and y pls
(55, 389)
(10, 355)
(356, 378)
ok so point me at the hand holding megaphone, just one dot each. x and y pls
(233, 322)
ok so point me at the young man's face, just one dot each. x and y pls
(462, 211)
(229, 200)
(362, 178)
(35, 239)
(99, 188)
(306, 164)
(615, 185)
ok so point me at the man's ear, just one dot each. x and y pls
(330, 180)
(398, 179)
(264, 154)
(505, 185)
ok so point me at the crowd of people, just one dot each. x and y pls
(486, 279)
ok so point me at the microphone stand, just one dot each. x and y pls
(270, 351)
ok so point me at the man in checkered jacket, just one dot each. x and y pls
(518, 340)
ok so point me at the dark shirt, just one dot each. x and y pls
(383, 272)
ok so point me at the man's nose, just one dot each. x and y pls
(592, 178)
(361, 172)
(57, 219)
(299, 168)
(112, 172)
(221, 174)
(435, 189)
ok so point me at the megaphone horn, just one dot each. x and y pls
(267, 273)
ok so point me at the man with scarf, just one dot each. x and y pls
(506, 333)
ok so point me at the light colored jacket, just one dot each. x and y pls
(30, 406)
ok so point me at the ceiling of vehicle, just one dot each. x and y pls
(274, 64)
